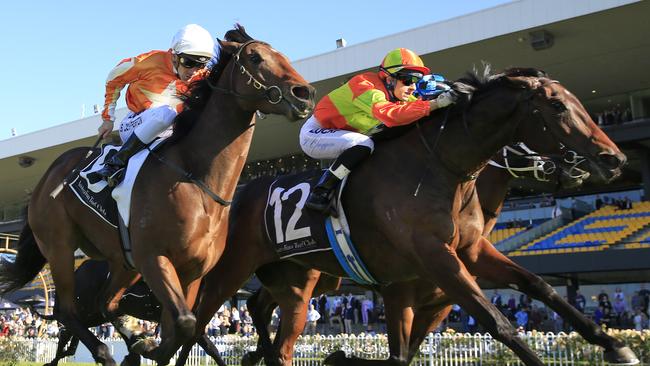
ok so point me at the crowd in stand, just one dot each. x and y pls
(23, 323)
(613, 116)
(354, 314)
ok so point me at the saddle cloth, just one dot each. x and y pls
(104, 201)
(294, 230)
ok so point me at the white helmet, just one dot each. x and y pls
(193, 40)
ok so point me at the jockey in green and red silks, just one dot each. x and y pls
(346, 118)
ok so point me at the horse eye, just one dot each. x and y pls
(256, 58)
(558, 105)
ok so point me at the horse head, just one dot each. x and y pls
(262, 78)
(559, 117)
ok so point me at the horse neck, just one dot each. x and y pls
(216, 148)
(492, 187)
(469, 141)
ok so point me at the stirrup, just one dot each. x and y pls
(117, 177)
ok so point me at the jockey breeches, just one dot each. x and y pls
(148, 124)
(325, 143)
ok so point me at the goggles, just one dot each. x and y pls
(408, 79)
(191, 62)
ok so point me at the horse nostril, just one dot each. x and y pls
(301, 92)
(612, 161)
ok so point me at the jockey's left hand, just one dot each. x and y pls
(446, 99)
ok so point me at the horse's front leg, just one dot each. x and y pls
(428, 314)
(438, 262)
(485, 261)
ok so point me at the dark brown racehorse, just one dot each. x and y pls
(179, 211)
(138, 301)
(492, 186)
(436, 234)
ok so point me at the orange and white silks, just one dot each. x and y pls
(152, 81)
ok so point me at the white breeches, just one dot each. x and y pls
(325, 143)
(148, 124)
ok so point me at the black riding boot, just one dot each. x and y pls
(112, 172)
(320, 198)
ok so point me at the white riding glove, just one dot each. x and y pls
(445, 99)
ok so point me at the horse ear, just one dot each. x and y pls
(526, 82)
(228, 47)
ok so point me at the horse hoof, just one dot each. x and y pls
(250, 359)
(144, 346)
(621, 356)
(131, 360)
(334, 358)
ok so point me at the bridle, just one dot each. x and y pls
(542, 165)
(266, 91)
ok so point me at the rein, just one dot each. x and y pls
(185, 174)
(266, 90)
(431, 151)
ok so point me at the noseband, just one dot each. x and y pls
(267, 91)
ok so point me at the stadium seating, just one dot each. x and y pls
(599, 230)
(498, 235)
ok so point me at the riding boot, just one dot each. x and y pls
(113, 170)
(320, 198)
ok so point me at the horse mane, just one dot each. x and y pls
(479, 81)
(199, 91)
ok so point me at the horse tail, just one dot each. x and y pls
(29, 261)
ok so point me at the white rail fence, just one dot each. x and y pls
(439, 349)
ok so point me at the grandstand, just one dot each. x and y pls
(605, 66)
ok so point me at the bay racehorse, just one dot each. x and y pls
(415, 198)
(180, 201)
(492, 186)
(138, 301)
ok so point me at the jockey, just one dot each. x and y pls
(155, 80)
(344, 120)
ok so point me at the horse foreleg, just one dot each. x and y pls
(426, 320)
(160, 274)
(487, 262)
(438, 263)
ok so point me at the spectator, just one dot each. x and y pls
(512, 305)
(645, 296)
(619, 311)
(598, 315)
(580, 301)
(598, 203)
(522, 318)
(337, 316)
(640, 319)
(496, 299)
(471, 325)
(224, 326)
(637, 301)
(235, 320)
(602, 295)
(247, 324)
(312, 320)
(366, 309)
(348, 318)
